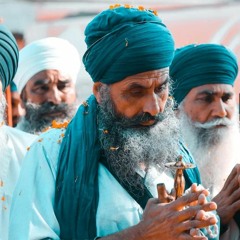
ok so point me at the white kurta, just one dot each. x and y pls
(13, 145)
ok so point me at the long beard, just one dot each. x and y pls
(128, 148)
(216, 150)
(37, 116)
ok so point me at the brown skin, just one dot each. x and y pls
(49, 86)
(203, 104)
(17, 110)
(210, 101)
(147, 93)
(141, 93)
(228, 199)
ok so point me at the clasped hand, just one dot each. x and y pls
(178, 219)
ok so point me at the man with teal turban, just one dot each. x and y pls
(13, 143)
(203, 78)
(8, 57)
(98, 177)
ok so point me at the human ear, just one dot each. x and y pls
(96, 90)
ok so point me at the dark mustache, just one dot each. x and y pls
(45, 108)
(139, 119)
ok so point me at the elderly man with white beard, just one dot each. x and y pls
(13, 143)
(203, 77)
(46, 76)
(97, 178)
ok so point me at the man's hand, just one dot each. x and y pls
(174, 220)
(228, 199)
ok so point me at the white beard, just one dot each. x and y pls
(2, 114)
(2, 109)
(215, 161)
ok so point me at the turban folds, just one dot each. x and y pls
(197, 65)
(126, 41)
(44, 54)
(8, 56)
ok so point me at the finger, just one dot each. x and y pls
(202, 199)
(235, 196)
(163, 195)
(195, 232)
(188, 236)
(194, 188)
(235, 206)
(232, 182)
(187, 225)
(187, 199)
(192, 211)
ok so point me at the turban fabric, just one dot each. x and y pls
(8, 56)
(197, 65)
(126, 41)
(44, 54)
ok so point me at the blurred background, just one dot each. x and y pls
(190, 21)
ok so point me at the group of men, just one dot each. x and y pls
(97, 177)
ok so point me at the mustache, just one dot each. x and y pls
(46, 108)
(137, 120)
(214, 123)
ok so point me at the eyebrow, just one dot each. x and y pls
(41, 82)
(139, 85)
(46, 81)
(209, 92)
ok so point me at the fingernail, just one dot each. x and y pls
(213, 206)
(212, 220)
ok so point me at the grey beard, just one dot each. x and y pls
(3, 104)
(127, 147)
(37, 119)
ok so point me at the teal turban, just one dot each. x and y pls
(8, 56)
(197, 65)
(126, 41)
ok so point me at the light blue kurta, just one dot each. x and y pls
(32, 215)
(13, 145)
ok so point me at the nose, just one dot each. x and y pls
(219, 110)
(153, 105)
(54, 96)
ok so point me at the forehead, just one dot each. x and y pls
(157, 76)
(48, 74)
(217, 89)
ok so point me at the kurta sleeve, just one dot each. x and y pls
(32, 214)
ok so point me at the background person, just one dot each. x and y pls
(13, 143)
(203, 78)
(46, 76)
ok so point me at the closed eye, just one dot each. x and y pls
(161, 88)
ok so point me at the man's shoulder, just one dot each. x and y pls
(18, 138)
(51, 138)
(45, 149)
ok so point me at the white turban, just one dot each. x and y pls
(47, 53)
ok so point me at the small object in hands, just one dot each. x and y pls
(179, 181)
(163, 195)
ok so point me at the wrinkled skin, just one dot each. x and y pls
(171, 220)
(228, 199)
